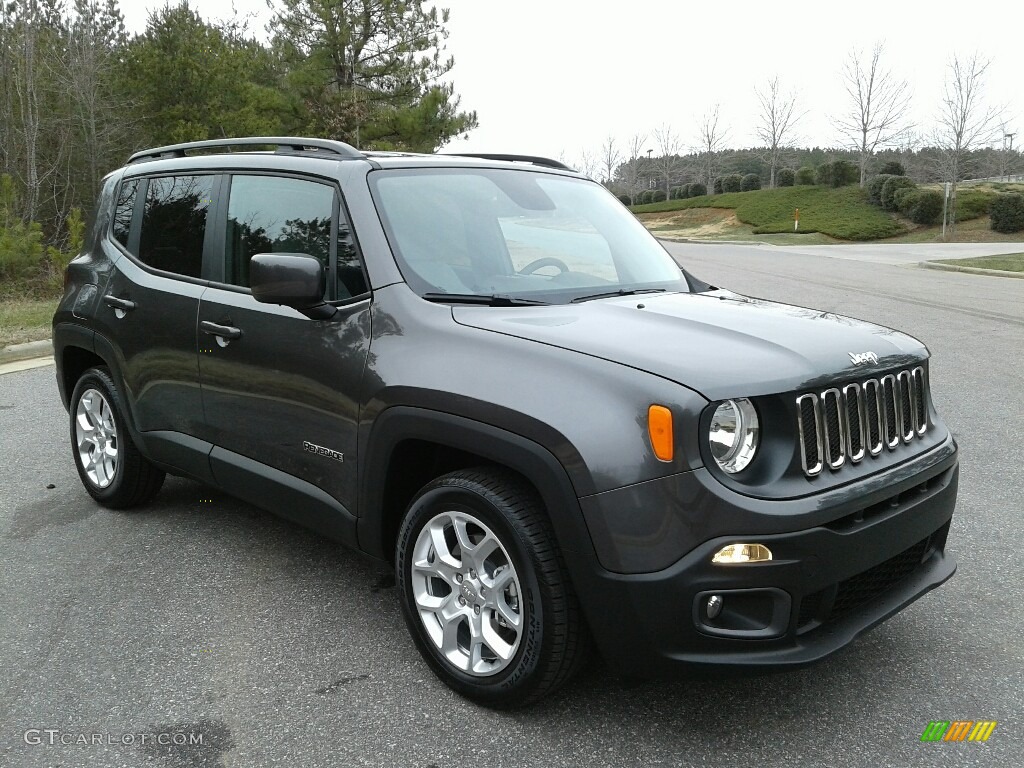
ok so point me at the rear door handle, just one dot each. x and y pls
(223, 331)
(115, 303)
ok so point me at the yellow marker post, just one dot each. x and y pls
(796, 220)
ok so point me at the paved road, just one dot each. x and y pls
(898, 253)
(204, 615)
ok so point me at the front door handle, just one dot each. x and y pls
(226, 332)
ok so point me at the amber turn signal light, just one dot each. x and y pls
(659, 427)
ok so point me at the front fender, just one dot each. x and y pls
(530, 459)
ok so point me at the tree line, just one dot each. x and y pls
(873, 128)
(78, 94)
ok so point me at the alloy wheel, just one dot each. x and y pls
(467, 593)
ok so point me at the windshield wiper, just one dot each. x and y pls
(489, 300)
(620, 292)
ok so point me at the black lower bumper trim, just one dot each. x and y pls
(838, 582)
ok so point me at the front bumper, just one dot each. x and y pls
(826, 584)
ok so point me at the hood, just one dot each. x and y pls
(720, 344)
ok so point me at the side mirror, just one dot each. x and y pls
(293, 279)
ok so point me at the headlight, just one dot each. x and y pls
(733, 435)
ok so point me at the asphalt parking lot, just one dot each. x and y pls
(203, 615)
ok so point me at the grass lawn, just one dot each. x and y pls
(843, 213)
(1011, 262)
(24, 320)
(826, 216)
(720, 224)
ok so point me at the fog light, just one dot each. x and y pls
(742, 553)
(714, 606)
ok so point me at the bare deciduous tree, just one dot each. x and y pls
(712, 141)
(25, 79)
(588, 164)
(777, 121)
(878, 106)
(668, 161)
(7, 56)
(965, 123)
(631, 169)
(610, 157)
(99, 116)
(38, 148)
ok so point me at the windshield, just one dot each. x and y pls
(486, 232)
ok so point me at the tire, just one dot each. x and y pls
(493, 614)
(108, 462)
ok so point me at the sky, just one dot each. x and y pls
(559, 77)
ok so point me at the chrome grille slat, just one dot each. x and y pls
(921, 405)
(873, 412)
(809, 427)
(833, 427)
(837, 425)
(855, 422)
(891, 410)
(907, 398)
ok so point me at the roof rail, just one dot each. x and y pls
(545, 161)
(284, 144)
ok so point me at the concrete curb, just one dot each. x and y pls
(27, 351)
(971, 270)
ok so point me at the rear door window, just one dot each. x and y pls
(174, 223)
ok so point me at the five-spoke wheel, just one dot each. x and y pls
(96, 438)
(110, 466)
(467, 593)
(484, 589)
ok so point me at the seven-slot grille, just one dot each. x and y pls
(860, 419)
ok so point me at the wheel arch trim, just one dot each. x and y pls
(72, 335)
(533, 461)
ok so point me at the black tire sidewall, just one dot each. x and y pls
(503, 686)
(99, 380)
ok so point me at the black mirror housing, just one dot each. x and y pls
(295, 280)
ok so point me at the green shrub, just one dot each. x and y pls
(843, 213)
(844, 173)
(889, 190)
(732, 183)
(717, 186)
(823, 175)
(902, 199)
(924, 206)
(21, 253)
(1007, 213)
(892, 168)
(624, 199)
(805, 176)
(786, 177)
(750, 182)
(657, 196)
(21, 243)
(874, 188)
(697, 189)
(647, 196)
(675, 193)
(29, 268)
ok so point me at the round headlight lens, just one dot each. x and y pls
(734, 434)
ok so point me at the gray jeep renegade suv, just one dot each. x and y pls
(485, 371)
